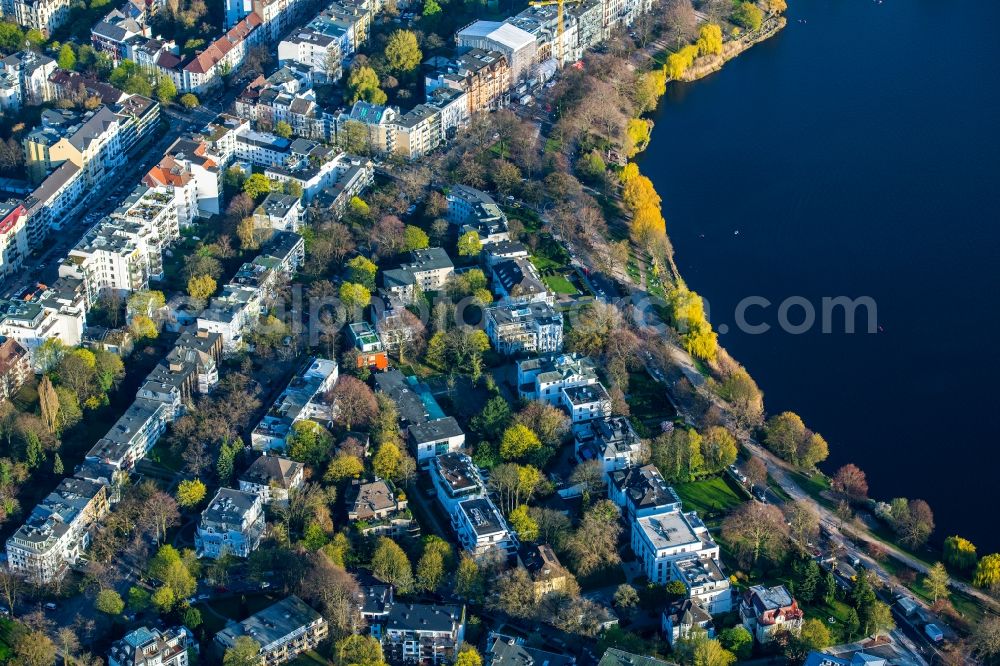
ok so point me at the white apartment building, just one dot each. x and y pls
(232, 523)
(612, 441)
(57, 312)
(283, 631)
(279, 211)
(456, 479)
(586, 403)
(134, 434)
(303, 398)
(13, 237)
(427, 270)
(534, 328)
(42, 15)
(151, 647)
(423, 633)
(544, 377)
(58, 531)
(24, 79)
(272, 477)
(435, 437)
(480, 527)
(661, 539)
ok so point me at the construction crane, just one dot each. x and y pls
(561, 28)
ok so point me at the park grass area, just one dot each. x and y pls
(166, 456)
(632, 268)
(714, 496)
(824, 612)
(310, 658)
(6, 649)
(778, 491)
(560, 284)
(814, 485)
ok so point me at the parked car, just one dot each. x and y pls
(51, 606)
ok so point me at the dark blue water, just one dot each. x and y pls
(857, 155)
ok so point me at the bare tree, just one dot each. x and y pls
(803, 521)
(756, 530)
(354, 403)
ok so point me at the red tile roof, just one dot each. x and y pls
(217, 50)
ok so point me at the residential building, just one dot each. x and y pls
(13, 237)
(59, 196)
(456, 479)
(279, 211)
(283, 631)
(414, 400)
(233, 523)
(609, 439)
(368, 345)
(375, 600)
(423, 633)
(418, 131)
(151, 647)
(544, 377)
(427, 270)
(516, 281)
(768, 611)
(58, 531)
(881, 655)
(395, 325)
(589, 402)
(453, 108)
(134, 434)
(536, 328)
(497, 251)
(191, 367)
(15, 367)
(57, 312)
(705, 583)
(484, 76)
(117, 34)
(378, 121)
(470, 209)
(24, 78)
(641, 491)
(480, 527)
(303, 398)
(272, 478)
(508, 651)
(682, 617)
(46, 16)
(519, 47)
(138, 118)
(89, 140)
(204, 71)
(382, 507)
(661, 539)
(435, 437)
(546, 572)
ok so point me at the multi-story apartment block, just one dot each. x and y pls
(381, 507)
(53, 201)
(233, 524)
(474, 210)
(89, 140)
(481, 528)
(508, 651)
(57, 312)
(418, 131)
(456, 479)
(546, 571)
(24, 79)
(191, 367)
(641, 491)
(378, 122)
(13, 237)
(536, 328)
(705, 583)
(283, 631)
(134, 434)
(427, 270)
(544, 377)
(15, 367)
(58, 531)
(661, 539)
(42, 15)
(586, 403)
(610, 440)
(303, 398)
(368, 344)
(195, 172)
(483, 75)
(453, 108)
(434, 438)
(423, 633)
(118, 33)
(151, 647)
(272, 477)
(279, 211)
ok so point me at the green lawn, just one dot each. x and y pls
(814, 485)
(712, 496)
(824, 612)
(559, 284)
(647, 399)
(166, 457)
(5, 648)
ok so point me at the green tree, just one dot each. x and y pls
(469, 245)
(164, 599)
(309, 442)
(362, 270)
(414, 238)
(959, 553)
(879, 620)
(987, 572)
(402, 52)
(718, 449)
(57, 465)
(391, 565)
(386, 461)
(469, 581)
(67, 57)
(166, 90)
(363, 84)
(245, 651)
(518, 442)
(430, 570)
(358, 650)
(189, 101)
(283, 129)
(256, 186)
(190, 493)
(431, 8)
(494, 418)
(344, 466)
(192, 618)
(355, 298)
(110, 602)
(748, 15)
(737, 640)
(201, 286)
(11, 38)
(936, 581)
(523, 524)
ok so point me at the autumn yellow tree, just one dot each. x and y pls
(678, 63)
(201, 286)
(710, 40)
(689, 318)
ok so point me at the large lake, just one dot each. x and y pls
(858, 154)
